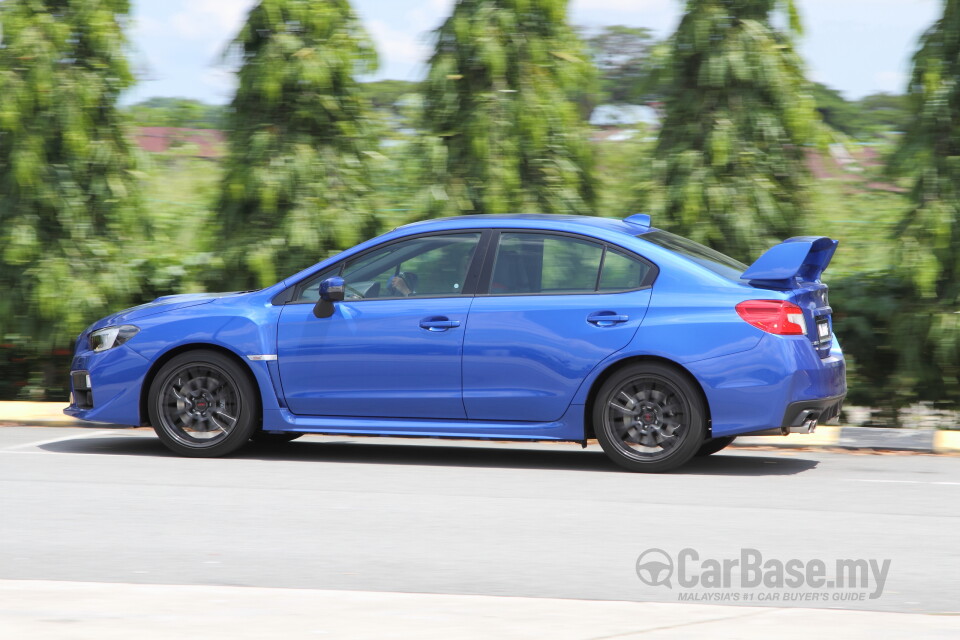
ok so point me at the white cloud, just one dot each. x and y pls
(659, 15)
(891, 81)
(222, 82)
(144, 27)
(215, 21)
(396, 45)
(627, 6)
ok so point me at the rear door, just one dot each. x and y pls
(554, 306)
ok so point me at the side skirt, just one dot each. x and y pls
(568, 428)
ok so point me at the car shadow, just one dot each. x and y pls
(563, 457)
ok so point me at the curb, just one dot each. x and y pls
(38, 609)
(50, 414)
(40, 414)
(888, 439)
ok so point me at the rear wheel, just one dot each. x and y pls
(713, 445)
(649, 418)
(203, 404)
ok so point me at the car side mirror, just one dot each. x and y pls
(331, 290)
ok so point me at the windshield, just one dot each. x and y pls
(704, 256)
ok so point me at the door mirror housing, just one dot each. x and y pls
(331, 289)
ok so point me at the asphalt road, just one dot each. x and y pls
(473, 518)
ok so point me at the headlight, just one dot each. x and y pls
(110, 337)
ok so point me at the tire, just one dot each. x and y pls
(713, 445)
(202, 404)
(267, 439)
(649, 418)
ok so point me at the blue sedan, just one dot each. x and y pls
(520, 327)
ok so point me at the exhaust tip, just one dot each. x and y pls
(808, 422)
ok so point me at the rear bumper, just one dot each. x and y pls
(781, 384)
(818, 410)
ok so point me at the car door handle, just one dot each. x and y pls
(438, 323)
(606, 318)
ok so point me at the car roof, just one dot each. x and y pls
(528, 221)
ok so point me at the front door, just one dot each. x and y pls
(393, 347)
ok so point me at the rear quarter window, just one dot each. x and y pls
(720, 264)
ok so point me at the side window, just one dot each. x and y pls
(419, 267)
(622, 272)
(543, 263)
(309, 291)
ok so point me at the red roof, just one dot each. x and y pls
(209, 142)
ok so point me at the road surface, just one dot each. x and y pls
(463, 517)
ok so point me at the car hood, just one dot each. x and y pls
(160, 305)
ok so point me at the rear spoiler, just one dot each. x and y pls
(796, 260)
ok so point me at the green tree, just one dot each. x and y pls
(871, 116)
(728, 169)
(498, 101)
(176, 112)
(69, 191)
(298, 171)
(837, 112)
(385, 94)
(621, 55)
(928, 329)
(885, 112)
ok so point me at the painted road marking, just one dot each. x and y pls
(905, 481)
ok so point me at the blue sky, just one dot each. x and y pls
(856, 46)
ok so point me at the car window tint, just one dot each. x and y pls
(419, 267)
(542, 263)
(622, 272)
(310, 290)
(713, 260)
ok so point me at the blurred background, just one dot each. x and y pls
(298, 141)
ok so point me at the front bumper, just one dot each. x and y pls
(105, 386)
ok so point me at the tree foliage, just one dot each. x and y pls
(297, 175)
(68, 182)
(928, 334)
(728, 168)
(621, 55)
(884, 113)
(498, 97)
(386, 94)
(176, 112)
(870, 117)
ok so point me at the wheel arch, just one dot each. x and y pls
(588, 431)
(184, 348)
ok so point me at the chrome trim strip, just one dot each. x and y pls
(263, 357)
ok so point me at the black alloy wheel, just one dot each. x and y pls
(649, 417)
(203, 404)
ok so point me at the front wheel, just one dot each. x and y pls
(649, 418)
(203, 404)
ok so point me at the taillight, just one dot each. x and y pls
(774, 316)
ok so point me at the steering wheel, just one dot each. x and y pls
(410, 281)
